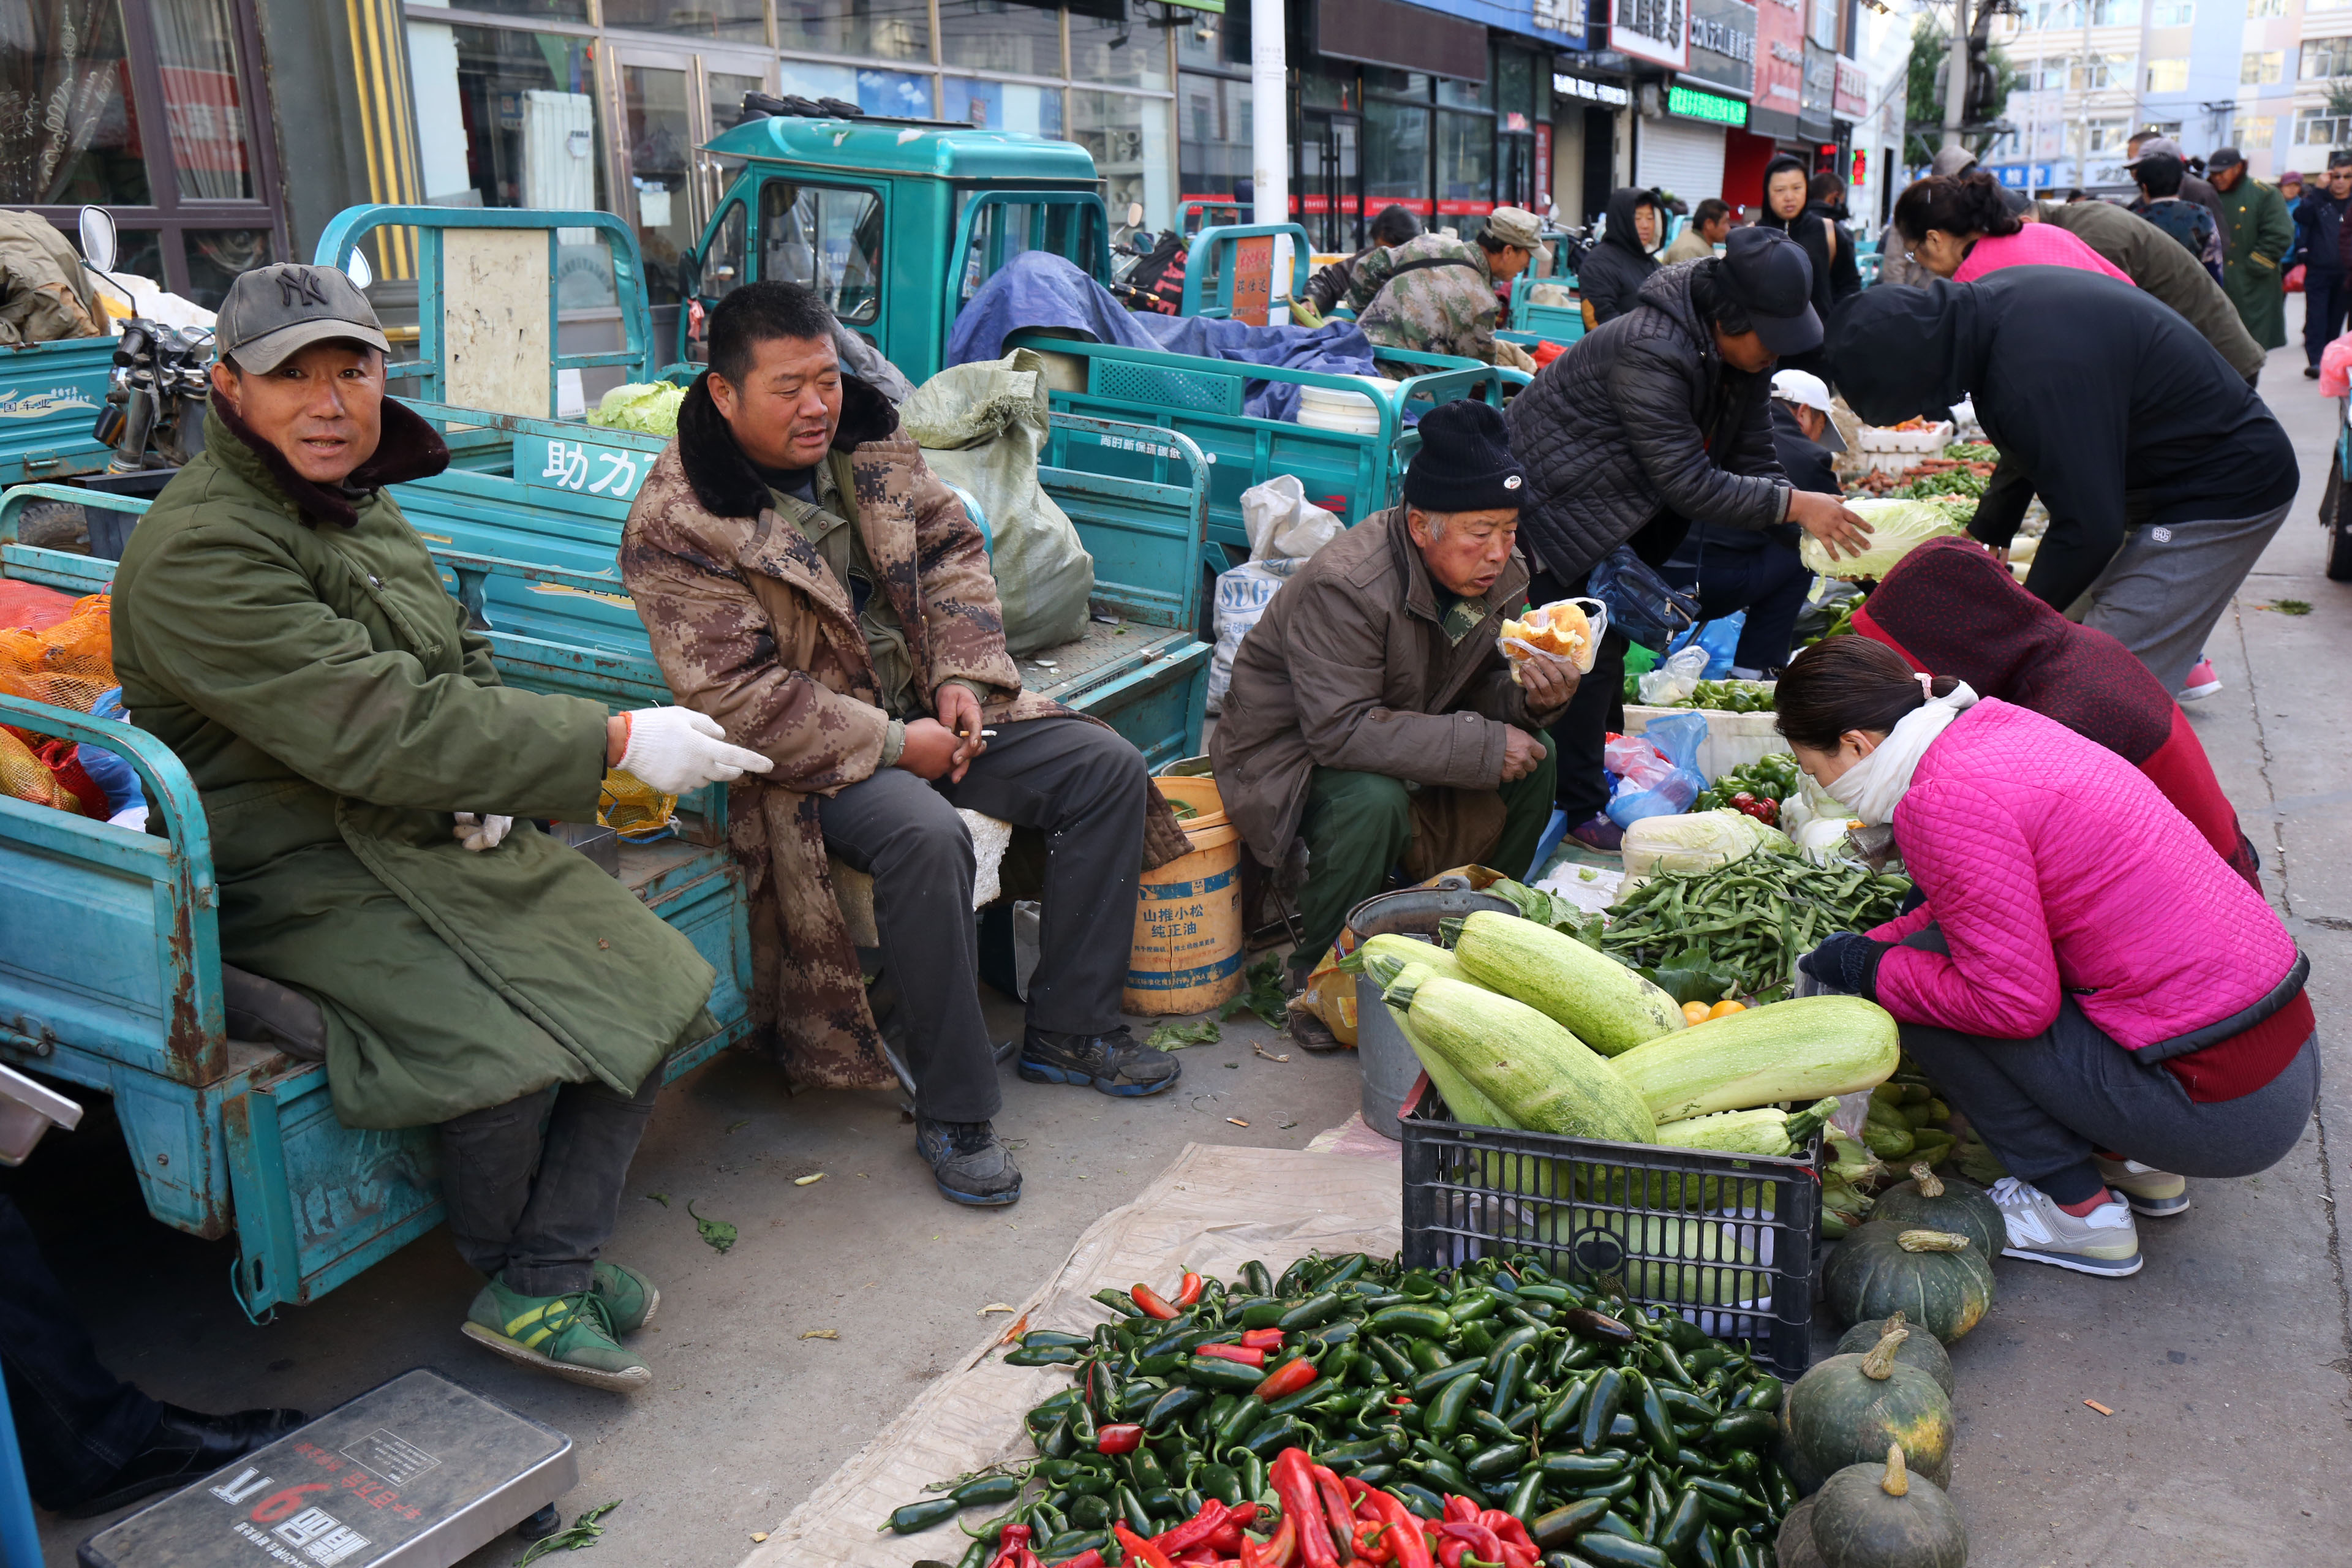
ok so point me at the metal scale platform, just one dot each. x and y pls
(414, 1473)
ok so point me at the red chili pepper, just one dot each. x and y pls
(1279, 1553)
(1148, 1301)
(1244, 1516)
(1241, 1353)
(1188, 1289)
(1289, 1378)
(1140, 1551)
(1294, 1484)
(1410, 1546)
(1010, 1546)
(1369, 1545)
(1088, 1559)
(1194, 1531)
(1337, 1505)
(1461, 1510)
(1227, 1540)
(1481, 1539)
(1122, 1438)
(1262, 1338)
(1519, 1549)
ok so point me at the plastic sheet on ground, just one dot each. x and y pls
(1213, 1210)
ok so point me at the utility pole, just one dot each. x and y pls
(1956, 76)
(1269, 113)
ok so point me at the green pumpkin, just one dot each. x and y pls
(1849, 1408)
(1881, 1516)
(1936, 1279)
(1793, 1547)
(1927, 1202)
(1925, 1352)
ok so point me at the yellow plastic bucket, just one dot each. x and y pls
(1188, 915)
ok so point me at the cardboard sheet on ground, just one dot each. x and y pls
(1213, 1210)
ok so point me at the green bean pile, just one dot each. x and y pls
(1754, 917)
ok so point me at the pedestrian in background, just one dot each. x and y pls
(2164, 204)
(1609, 280)
(1789, 206)
(1394, 226)
(2147, 145)
(2255, 237)
(1710, 223)
(2319, 250)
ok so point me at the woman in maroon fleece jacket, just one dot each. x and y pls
(1949, 607)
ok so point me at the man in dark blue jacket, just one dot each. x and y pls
(2320, 243)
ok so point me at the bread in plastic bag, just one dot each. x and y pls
(1698, 841)
(1897, 528)
(1566, 631)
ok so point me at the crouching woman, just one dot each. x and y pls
(2111, 1006)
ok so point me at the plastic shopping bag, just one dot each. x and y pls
(1679, 739)
(1635, 761)
(1566, 632)
(1671, 684)
(1284, 529)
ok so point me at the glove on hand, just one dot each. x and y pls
(1846, 961)
(677, 749)
(480, 832)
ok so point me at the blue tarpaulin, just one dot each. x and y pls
(1037, 289)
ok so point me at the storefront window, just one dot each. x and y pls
(1515, 88)
(1001, 36)
(1466, 159)
(1213, 133)
(1333, 86)
(825, 237)
(1206, 40)
(659, 136)
(1462, 94)
(1115, 44)
(555, 10)
(1004, 106)
(1396, 84)
(196, 53)
(743, 20)
(1128, 139)
(216, 256)
(1396, 153)
(527, 126)
(898, 93)
(68, 131)
(881, 29)
(808, 80)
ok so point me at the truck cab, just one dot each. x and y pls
(896, 222)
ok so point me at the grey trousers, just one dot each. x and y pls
(1080, 784)
(2169, 584)
(533, 1186)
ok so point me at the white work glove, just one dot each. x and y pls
(480, 832)
(677, 749)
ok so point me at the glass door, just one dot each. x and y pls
(1331, 181)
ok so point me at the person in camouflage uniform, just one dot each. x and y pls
(1436, 294)
(811, 584)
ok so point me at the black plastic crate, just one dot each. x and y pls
(1727, 1240)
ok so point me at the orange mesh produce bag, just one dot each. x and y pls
(24, 776)
(69, 664)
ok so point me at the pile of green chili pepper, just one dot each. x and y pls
(1750, 920)
(1615, 1436)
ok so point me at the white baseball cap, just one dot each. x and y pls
(1810, 391)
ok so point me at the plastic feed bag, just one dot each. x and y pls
(1898, 527)
(1285, 529)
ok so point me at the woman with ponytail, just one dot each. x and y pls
(2083, 976)
(1958, 227)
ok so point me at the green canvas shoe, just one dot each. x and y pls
(571, 1336)
(629, 1297)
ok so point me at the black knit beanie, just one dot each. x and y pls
(1464, 463)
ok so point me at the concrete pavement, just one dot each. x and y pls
(2225, 1361)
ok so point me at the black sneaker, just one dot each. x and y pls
(2311, 373)
(968, 1162)
(1113, 1063)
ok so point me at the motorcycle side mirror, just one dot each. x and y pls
(357, 269)
(1135, 215)
(98, 238)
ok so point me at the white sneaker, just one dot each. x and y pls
(2151, 1192)
(2103, 1241)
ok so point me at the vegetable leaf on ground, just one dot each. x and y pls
(1176, 1036)
(1264, 995)
(716, 1232)
(580, 1532)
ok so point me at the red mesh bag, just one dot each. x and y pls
(70, 664)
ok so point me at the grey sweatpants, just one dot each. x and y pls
(2169, 583)
(2045, 1105)
(1084, 786)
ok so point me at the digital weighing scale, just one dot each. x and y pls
(414, 1473)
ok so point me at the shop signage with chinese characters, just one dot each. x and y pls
(1695, 103)
(1723, 44)
(1656, 31)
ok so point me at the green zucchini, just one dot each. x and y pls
(1805, 1050)
(1603, 1003)
(1538, 1072)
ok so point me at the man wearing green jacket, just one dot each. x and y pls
(2256, 234)
(364, 777)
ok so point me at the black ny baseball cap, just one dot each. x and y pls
(271, 311)
(1769, 275)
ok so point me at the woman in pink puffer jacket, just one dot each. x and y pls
(2109, 1005)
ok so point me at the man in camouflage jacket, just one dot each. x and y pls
(1436, 294)
(809, 583)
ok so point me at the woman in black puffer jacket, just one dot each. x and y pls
(1788, 207)
(1611, 276)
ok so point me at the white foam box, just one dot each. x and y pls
(1733, 739)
